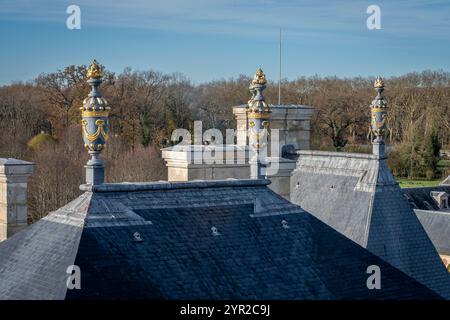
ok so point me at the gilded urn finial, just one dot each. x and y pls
(94, 124)
(258, 116)
(94, 71)
(379, 83)
(378, 123)
(260, 77)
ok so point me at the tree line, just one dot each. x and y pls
(40, 121)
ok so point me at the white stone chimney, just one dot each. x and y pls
(292, 121)
(13, 195)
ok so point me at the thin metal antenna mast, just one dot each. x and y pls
(279, 80)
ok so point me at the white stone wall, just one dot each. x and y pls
(293, 123)
(13, 196)
(215, 162)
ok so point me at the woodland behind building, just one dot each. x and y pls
(40, 122)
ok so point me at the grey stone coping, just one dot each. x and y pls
(165, 185)
(282, 106)
(14, 162)
(202, 147)
(340, 154)
(270, 160)
(434, 212)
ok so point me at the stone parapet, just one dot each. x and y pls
(211, 162)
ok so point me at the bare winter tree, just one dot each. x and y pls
(147, 105)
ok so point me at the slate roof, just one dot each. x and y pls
(357, 195)
(437, 226)
(436, 222)
(262, 247)
(420, 198)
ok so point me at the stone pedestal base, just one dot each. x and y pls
(95, 175)
(379, 149)
(95, 169)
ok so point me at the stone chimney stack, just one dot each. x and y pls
(258, 115)
(13, 195)
(95, 126)
(378, 127)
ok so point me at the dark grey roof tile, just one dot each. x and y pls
(358, 196)
(252, 257)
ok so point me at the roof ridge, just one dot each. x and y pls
(166, 185)
(370, 207)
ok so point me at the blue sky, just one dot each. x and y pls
(215, 39)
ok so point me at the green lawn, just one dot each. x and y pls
(407, 183)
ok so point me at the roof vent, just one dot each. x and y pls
(285, 224)
(215, 232)
(441, 199)
(137, 237)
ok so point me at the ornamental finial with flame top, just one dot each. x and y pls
(379, 83)
(260, 77)
(94, 71)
